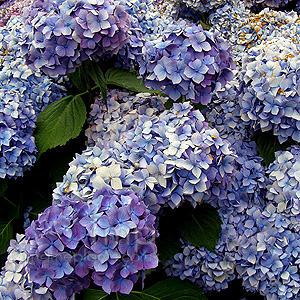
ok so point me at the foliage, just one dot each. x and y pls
(169, 289)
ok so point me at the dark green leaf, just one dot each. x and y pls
(78, 78)
(172, 289)
(168, 246)
(3, 186)
(92, 294)
(201, 226)
(94, 70)
(126, 79)
(6, 234)
(268, 144)
(59, 122)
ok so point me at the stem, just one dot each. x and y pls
(87, 91)
(13, 204)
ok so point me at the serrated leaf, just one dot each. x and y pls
(268, 144)
(3, 186)
(78, 78)
(126, 79)
(97, 75)
(201, 226)
(59, 122)
(172, 289)
(92, 294)
(6, 234)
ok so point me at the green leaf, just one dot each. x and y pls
(172, 289)
(127, 80)
(6, 234)
(78, 78)
(97, 75)
(59, 122)
(268, 144)
(201, 226)
(3, 186)
(92, 294)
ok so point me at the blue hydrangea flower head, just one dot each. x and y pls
(23, 93)
(269, 97)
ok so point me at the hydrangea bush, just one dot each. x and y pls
(154, 187)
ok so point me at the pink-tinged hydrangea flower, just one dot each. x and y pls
(187, 61)
(12, 8)
(60, 35)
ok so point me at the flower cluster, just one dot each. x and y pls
(259, 242)
(60, 35)
(224, 114)
(107, 239)
(201, 5)
(123, 109)
(167, 157)
(245, 193)
(14, 278)
(23, 93)
(12, 8)
(269, 95)
(258, 4)
(147, 18)
(152, 16)
(187, 61)
(244, 29)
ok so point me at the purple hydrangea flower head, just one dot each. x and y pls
(90, 248)
(187, 61)
(72, 32)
